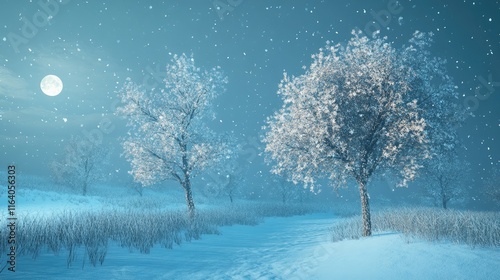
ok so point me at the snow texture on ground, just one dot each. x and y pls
(280, 248)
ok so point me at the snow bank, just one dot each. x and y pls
(390, 256)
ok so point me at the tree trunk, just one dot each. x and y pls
(230, 187)
(87, 171)
(189, 196)
(444, 198)
(365, 210)
(186, 184)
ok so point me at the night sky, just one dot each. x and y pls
(93, 46)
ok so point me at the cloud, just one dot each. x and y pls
(12, 86)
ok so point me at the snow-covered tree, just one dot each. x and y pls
(445, 177)
(168, 139)
(80, 165)
(443, 173)
(361, 109)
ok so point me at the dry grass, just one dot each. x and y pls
(137, 230)
(465, 227)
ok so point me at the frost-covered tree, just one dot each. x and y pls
(444, 173)
(80, 165)
(361, 109)
(168, 139)
(445, 177)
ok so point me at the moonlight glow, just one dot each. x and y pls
(51, 85)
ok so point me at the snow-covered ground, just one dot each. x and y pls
(296, 247)
(279, 248)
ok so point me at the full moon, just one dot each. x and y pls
(51, 85)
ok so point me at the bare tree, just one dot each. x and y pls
(445, 177)
(80, 165)
(492, 185)
(137, 187)
(223, 183)
(360, 109)
(168, 139)
(226, 178)
(285, 190)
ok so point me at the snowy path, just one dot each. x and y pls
(267, 251)
(280, 248)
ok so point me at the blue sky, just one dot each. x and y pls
(93, 46)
